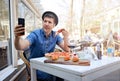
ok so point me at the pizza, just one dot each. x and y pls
(62, 56)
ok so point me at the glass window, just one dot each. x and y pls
(31, 21)
(30, 18)
(4, 34)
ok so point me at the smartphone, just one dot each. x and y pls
(21, 21)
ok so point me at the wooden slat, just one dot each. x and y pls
(80, 62)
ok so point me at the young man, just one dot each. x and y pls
(42, 41)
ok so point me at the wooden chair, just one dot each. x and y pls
(24, 57)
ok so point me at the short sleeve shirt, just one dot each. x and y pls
(40, 44)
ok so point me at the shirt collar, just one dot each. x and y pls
(51, 34)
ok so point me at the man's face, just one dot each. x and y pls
(48, 24)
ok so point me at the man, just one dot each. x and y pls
(42, 41)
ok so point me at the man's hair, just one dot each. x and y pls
(50, 15)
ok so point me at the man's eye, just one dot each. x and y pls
(49, 22)
(45, 21)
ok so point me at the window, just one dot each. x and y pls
(4, 34)
(31, 20)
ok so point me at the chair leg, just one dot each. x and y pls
(28, 79)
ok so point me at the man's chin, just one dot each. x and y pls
(46, 30)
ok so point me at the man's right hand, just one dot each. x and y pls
(20, 44)
(19, 30)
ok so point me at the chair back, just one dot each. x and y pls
(24, 56)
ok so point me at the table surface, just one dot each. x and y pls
(106, 65)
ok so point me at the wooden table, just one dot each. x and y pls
(76, 73)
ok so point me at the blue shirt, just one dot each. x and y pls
(40, 44)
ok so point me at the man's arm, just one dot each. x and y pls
(20, 43)
(64, 44)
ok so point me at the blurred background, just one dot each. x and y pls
(96, 16)
(78, 15)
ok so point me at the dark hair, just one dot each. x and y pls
(50, 15)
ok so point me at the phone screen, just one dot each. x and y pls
(21, 21)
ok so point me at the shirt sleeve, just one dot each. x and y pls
(31, 38)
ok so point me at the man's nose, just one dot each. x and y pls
(47, 23)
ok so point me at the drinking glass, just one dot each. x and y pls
(72, 45)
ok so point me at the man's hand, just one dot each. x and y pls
(19, 30)
(63, 31)
(60, 30)
(19, 43)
